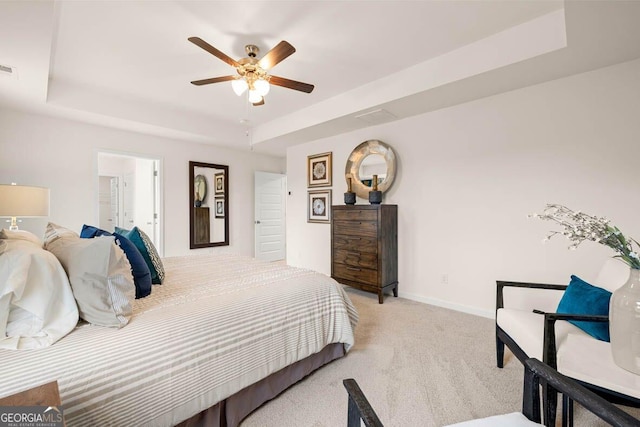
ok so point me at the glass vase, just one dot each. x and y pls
(624, 323)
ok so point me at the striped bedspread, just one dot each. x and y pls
(216, 325)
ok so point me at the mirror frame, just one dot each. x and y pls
(352, 169)
(210, 190)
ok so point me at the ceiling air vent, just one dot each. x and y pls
(376, 116)
(7, 71)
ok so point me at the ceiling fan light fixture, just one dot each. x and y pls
(253, 74)
(239, 86)
(262, 86)
(254, 97)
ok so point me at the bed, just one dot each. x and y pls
(221, 335)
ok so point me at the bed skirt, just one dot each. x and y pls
(231, 411)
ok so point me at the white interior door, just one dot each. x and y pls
(114, 189)
(145, 193)
(108, 204)
(270, 190)
(129, 200)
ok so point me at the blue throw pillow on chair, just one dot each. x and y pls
(139, 269)
(582, 298)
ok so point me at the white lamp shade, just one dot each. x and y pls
(254, 97)
(23, 201)
(262, 87)
(239, 86)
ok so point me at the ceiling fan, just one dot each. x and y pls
(253, 74)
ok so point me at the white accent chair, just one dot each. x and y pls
(531, 328)
(535, 374)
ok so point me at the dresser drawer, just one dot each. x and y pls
(356, 259)
(355, 214)
(355, 228)
(355, 243)
(357, 274)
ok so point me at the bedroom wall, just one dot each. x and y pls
(469, 175)
(62, 155)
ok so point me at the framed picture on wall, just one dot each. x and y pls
(319, 206)
(319, 170)
(219, 207)
(218, 181)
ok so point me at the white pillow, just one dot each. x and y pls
(20, 235)
(99, 273)
(37, 307)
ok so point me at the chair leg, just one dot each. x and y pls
(550, 402)
(353, 414)
(567, 411)
(499, 352)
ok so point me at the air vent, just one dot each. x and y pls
(7, 71)
(376, 117)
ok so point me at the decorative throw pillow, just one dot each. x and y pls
(20, 235)
(582, 298)
(54, 232)
(148, 251)
(139, 268)
(99, 273)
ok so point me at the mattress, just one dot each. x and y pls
(218, 324)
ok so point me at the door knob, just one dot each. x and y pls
(257, 222)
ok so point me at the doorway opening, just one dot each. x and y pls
(129, 194)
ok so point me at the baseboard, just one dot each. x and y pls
(452, 306)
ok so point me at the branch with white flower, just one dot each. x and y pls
(578, 227)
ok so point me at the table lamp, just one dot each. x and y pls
(23, 201)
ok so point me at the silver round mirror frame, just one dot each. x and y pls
(352, 169)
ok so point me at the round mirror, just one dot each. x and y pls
(373, 164)
(200, 184)
(370, 158)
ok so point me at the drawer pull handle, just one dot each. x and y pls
(353, 269)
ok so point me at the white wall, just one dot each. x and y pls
(469, 175)
(62, 155)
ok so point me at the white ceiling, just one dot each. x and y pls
(128, 64)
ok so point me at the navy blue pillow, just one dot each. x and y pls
(583, 298)
(139, 269)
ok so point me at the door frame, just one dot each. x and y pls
(158, 190)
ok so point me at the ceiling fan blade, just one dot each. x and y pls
(212, 50)
(291, 84)
(281, 51)
(256, 104)
(212, 80)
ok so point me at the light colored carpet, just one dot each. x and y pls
(419, 365)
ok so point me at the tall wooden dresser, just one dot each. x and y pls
(364, 247)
